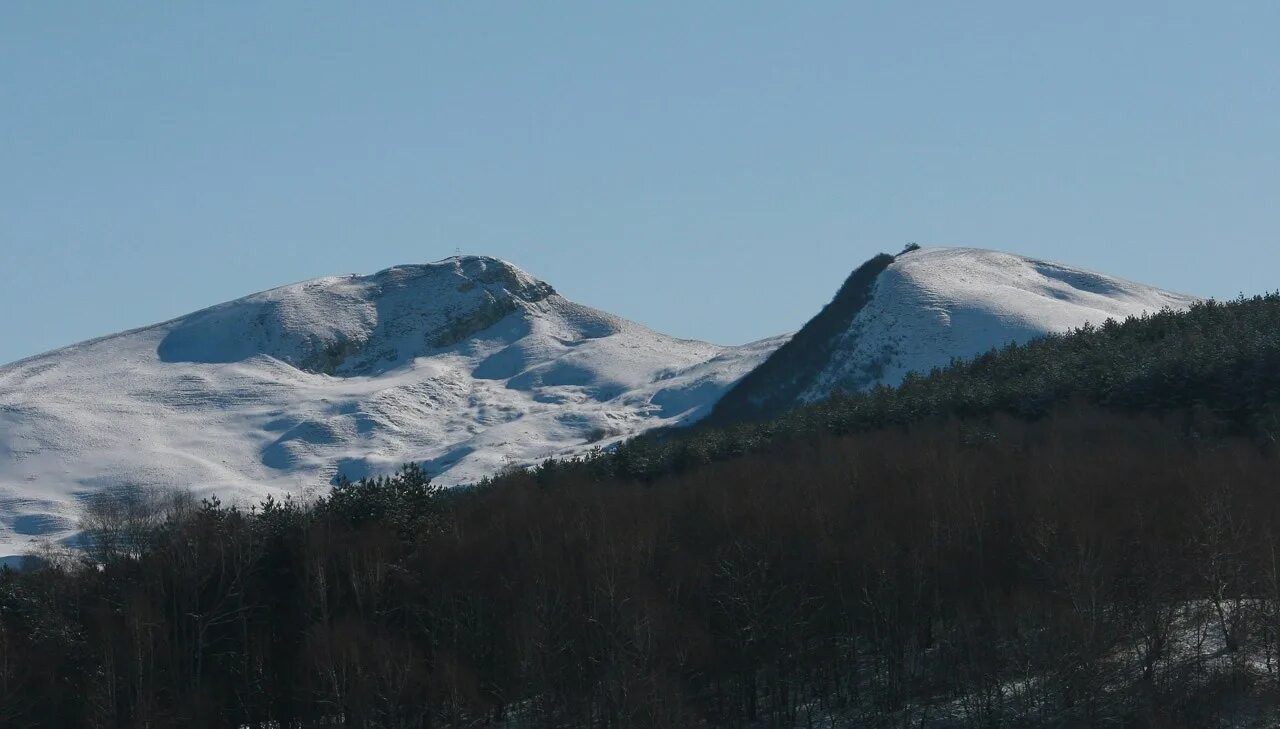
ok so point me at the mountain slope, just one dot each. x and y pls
(468, 364)
(923, 308)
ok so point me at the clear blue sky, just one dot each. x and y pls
(711, 169)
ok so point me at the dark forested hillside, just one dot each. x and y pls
(1079, 532)
(1085, 569)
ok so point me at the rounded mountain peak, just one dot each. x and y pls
(356, 325)
(925, 307)
(496, 275)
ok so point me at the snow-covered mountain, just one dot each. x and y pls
(921, 309)
(468, 365)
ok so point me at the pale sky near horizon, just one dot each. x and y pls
(711, 169)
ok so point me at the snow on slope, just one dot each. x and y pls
(468, 365)
(926, 307)
(935, 304)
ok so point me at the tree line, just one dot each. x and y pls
(1079, 570)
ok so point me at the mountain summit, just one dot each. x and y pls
(359, 324)
(921, 309)
(466, 365)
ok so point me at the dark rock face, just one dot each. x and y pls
(775, 386)
(492, 272)
(492, 310)
(358, 325)
(436, 306)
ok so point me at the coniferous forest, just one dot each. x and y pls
(1079, 532)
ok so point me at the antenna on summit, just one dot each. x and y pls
(457, 251)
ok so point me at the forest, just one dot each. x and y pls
(1080, 532)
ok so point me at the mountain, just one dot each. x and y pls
(921, 309)
(467, 365)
